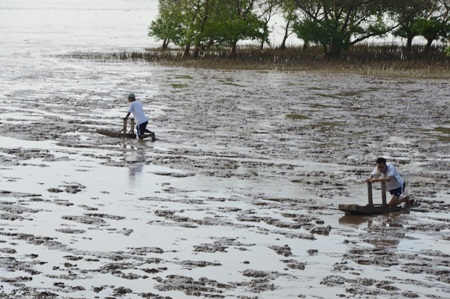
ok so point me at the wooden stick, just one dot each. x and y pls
(369, 193)
(383, 193)
(132, 126)
(124, 128)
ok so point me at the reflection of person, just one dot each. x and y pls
(139, 116)
(138, 165)
(394, 182)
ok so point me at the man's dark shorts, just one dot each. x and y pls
(397, 192)
(141, 128)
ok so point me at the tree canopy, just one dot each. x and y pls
(336, 25)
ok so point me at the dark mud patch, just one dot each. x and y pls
(71, 231)
(71, 188)
(362, 287)
(143, 251)
(202, 287)
(294, 264)
(87, 220)
(175, 174)
(282, 250)
(221, 245)
(199, 264)
(5, 193)
(297, 117)
(13, 208)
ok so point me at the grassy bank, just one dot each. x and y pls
(363, 59)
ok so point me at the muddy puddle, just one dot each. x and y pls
(238, 197)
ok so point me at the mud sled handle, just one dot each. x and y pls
(125, 125)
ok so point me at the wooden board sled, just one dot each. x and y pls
(353, 209)
(124, 133)
(371, 208)
(116, 134)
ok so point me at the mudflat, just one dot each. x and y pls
(237, 199)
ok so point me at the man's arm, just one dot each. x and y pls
(372, 180)
(371, 176)
(128, 114)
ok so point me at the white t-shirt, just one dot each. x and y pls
(138, 112)
(396, 180)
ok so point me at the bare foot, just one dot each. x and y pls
(408, 202)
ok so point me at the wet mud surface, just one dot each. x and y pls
(238, 196)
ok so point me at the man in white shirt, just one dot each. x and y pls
(395, 184)
(140, 118)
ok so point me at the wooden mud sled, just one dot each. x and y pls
(370, 208)
(124, 133)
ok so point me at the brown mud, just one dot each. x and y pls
(238, 196)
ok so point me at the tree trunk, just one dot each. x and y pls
(334, 51)
(196, 52)
(286, 35)
(187, 50)
(261, 45)
(427, 48)
(305, 46)
(233, 50)
(165, 44)
(210, 43)
(283, 43)
(264, 38)
(409, 40)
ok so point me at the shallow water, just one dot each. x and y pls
(234, 190)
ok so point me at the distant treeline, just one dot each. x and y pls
(199, 26)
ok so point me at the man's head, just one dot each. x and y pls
(381, 164)
(131, 97)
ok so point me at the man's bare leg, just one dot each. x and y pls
(408, 202)
(395, 201)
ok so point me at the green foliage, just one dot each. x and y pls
(324, 32)
(406, 30)
(203, 23)
(336, 25)
(432, 28)
(231, 28)
(167, 25)
(234, 21)
(430, 21)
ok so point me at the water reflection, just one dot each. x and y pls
(134, 156)
(388, 219)
(353, 219)
(381, 231)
